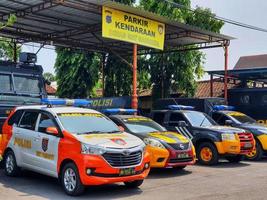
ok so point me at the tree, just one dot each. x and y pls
(6, 45)
(49, 76)
(178, 71)
(77, 72)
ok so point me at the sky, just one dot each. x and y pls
(247, 42)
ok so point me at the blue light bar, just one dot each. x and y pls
(180, 107)
(114, 111)
(67, 102)
(223, 107)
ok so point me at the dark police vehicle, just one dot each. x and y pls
(20, 84)
(226, 115)
(211, 140)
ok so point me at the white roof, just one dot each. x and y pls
(59, 109)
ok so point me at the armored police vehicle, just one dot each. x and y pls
(20, 84)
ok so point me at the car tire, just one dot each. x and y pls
(134, 184)
(207, 154)
(70, 180)
(234, 159)
(10, 164)
(257, 154)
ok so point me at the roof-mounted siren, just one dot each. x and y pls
(223, 107)
(116, 111)
(66, 102)
(180, 107)
(27, 58)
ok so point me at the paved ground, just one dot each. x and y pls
(246, 180)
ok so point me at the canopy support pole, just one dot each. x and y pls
(134, 95)
(225, 72)
(211, 85)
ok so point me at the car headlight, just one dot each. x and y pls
(228, 136)
(153, 143)
(89, 149)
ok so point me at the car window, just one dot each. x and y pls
(159, 117)
(5, 82)
(28, 120)
(175, 118)
(142, 125)
(14, 119)
(216, 116)
(87, 123)
(45, 122)
(222, 120)
(199, 119)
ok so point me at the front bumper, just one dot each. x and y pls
(235, 147)
(103, 173)
(160, 158)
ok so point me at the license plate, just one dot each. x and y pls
(182, 155)
(247, 145)
(127, 172)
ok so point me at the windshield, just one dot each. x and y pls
(241, 118)
(199, 119)
(26, 84)
(142, 125)
(86, 123)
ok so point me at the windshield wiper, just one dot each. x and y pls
(89, 132)
(115, 131)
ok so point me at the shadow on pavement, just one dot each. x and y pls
(31, 184)
(226, 164)
(159, 173)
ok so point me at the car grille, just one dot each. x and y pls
(180, 160)
(121, 160)
(245, 138)
(180, 146)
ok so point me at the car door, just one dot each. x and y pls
(24, 136)
(46, 147)
(173, 123)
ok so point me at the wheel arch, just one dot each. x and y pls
(63, 163)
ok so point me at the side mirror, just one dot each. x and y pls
(228, 122)
(52, 130)
(182, 124)
(121, 128)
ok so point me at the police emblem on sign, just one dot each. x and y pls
(108, 16)
(160, 29)
(45, 144)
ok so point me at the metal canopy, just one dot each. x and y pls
(77, 24)
(255, 74)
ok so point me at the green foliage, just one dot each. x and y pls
(10, 21)
(7, 49)
(49, 76)
(77, 73)
(178, 71)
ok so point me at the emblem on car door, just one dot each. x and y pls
(45, 144)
